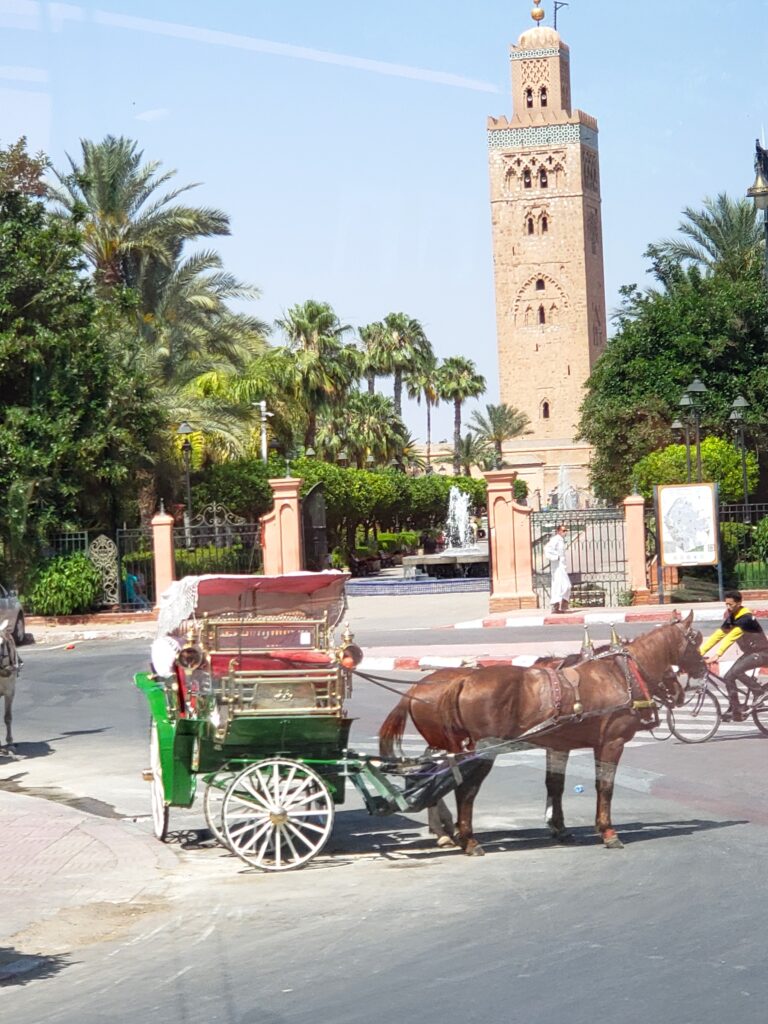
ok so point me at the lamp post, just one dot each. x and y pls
(737, 419)
(184, 430)
(689, 403)
(265, 415)
(759, 193)
(686, 434)
(343, 457)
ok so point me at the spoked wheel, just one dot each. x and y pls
(160, 809)
(213, 805)
(697, 720)
(760, 718)
(277, 814)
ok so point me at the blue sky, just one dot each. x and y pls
(347, 140)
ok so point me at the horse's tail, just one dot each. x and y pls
(449, 713)
(392, 729)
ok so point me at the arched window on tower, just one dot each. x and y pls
(545, 410)
(543, 96)
(542, 315)
(543, 179)
(529, 98)
(530, 226)
(544, 225)
(540, 284)
(527, 178)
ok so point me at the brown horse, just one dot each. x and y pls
(598, 703)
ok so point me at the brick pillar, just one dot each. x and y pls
(509, 540)
(281, 529)
(162, 547)
(634, 537)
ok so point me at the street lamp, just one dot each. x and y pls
(686, 434)
(737, 419)
(689, 403)
(265, 415)
(184, 430)
(759, 193)
(343, 457)
(369, 461)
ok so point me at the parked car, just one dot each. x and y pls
(10, 608)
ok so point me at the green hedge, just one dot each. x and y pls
(67, 585)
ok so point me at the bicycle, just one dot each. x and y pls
(699, 717)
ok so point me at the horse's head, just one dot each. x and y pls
(667, 650)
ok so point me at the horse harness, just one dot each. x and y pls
(634, 680)
(10, 662)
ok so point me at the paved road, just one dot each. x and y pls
(384, 927)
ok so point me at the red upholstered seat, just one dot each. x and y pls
(266, 661)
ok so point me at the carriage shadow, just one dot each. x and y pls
(20, 968)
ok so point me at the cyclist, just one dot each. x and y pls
(742, 628)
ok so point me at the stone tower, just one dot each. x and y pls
(547, 239)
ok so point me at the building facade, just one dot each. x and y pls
(547, 254)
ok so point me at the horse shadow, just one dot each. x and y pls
(18, 968)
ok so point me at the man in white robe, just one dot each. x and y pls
(560, 587)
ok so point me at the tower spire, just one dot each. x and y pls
(537, 14)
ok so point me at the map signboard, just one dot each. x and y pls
(687, 524)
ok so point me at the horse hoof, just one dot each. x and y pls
(613, 843)
(562, 837)
(474, 850)
(444, 841)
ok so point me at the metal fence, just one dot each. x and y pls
(216, 541)
(136, 569)
(596, 555)
(70, 542)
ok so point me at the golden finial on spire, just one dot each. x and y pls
(537, 14)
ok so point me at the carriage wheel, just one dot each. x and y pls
(277, 814)
(213, 805)
(160, 809)
(697, 720)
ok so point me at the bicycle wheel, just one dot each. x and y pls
(697, 720)
(760, 718)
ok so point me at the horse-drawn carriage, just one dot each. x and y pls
(248, 693)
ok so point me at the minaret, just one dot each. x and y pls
(547, 239)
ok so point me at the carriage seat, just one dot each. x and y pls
(267, 661)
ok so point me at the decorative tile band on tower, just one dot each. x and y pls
(542, 135)
(528, 54)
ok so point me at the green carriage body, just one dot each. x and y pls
(249, 674)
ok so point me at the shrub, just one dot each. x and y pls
(210, 559)
(67, 585)
(751, 575)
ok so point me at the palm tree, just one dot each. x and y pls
(124, 217)
(402, 346)
(324, 367)
(500, 423)
(474, 451)
(366, 426)
(422, 380)
(374, 357)
(458, 380)
(725, 236)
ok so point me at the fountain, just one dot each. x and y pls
(459, 534)
(567, 495)
(462, 557)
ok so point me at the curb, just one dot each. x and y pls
(606, 617)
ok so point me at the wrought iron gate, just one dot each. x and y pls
(217, 541)
(314, 528)
(136, 569)
(595, 553)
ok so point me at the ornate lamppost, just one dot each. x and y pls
(737, 419)
(184, 430)
(759, 193)
(685, 432)
(689, 403)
